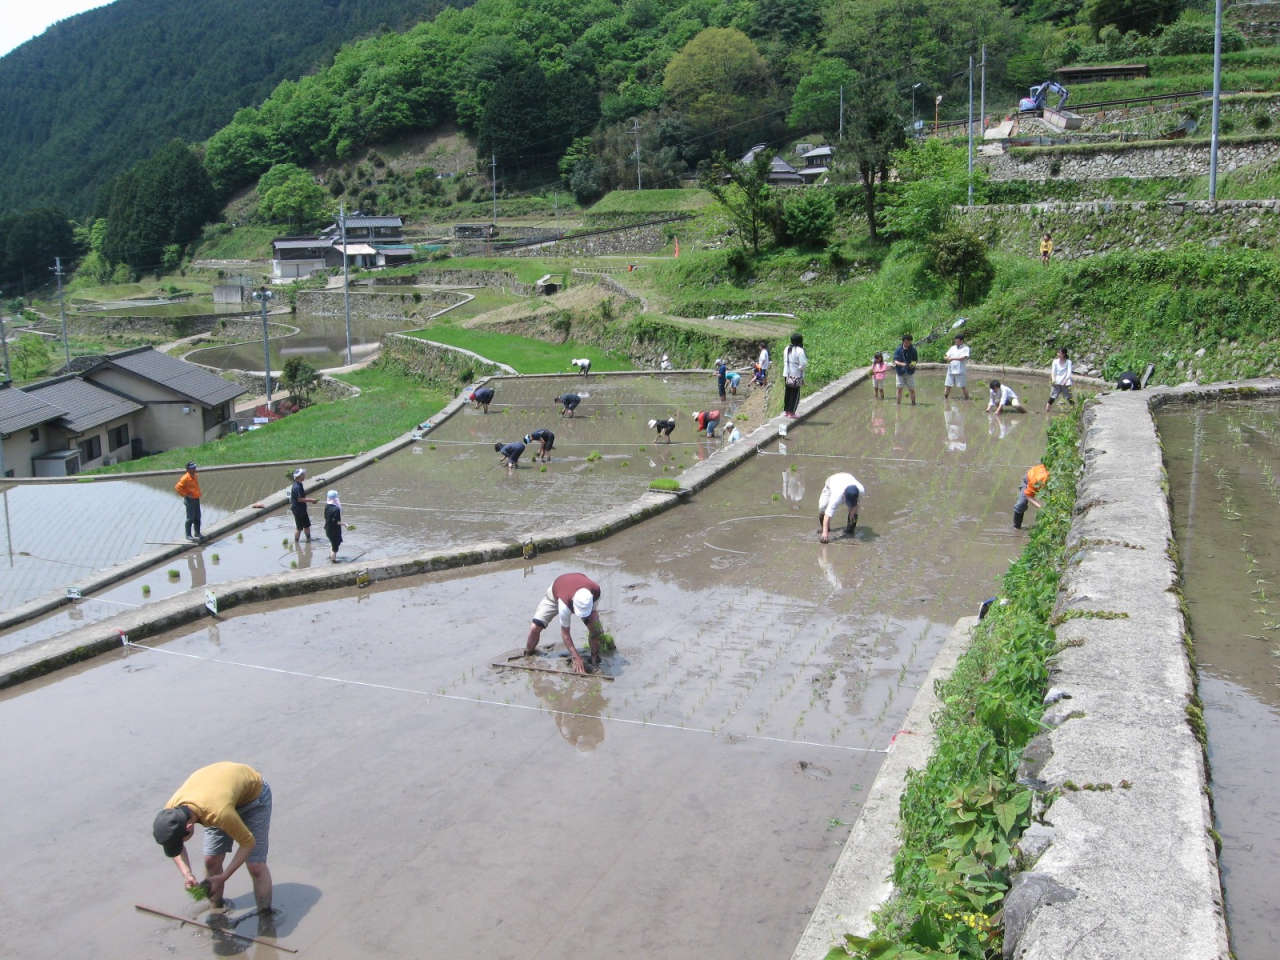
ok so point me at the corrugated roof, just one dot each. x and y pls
(356, 249)
(362, 222)
(87, 405)
(823, 151)
(185, 379)
(20, 410)
(318, 243)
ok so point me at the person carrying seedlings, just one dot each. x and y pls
(570, 595)
(1060, 379)
(510, 453)
(333, 523)
(733, 378)
(188, 487)
(1035, 481)
(878, 370)
(839, 488)
(706, 420)
(546, 440)
(905, 358)
(569, 401)
(722, 375)
(957, 368)
(1003, 398)
(664, 427)
(481, 398)
(233, 803)
(298, 501)
(583, 365)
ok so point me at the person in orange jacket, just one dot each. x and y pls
(188, 488)
(1037, 479)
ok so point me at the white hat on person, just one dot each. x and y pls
(583, 603)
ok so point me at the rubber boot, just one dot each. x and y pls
(1017, 518)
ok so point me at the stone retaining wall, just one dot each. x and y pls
(1181, 159)
(1088, 228)
(649, 239)
(256, 384)
(433, 363)
(374, 306)
(503, 280)
(96, 325)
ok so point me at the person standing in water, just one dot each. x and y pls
(510, 453)
(1060, 378)
(794, 363)
(957, 368)
(840, 488)
(905, 358)
(481, 398)
(1037, 479)
(188, 487)
(569, 402)
(333, 523)
(298, 501)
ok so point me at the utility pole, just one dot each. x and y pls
(841, 134)
(937, 109)
(346, 279)
(4, 343)
(971, 131)
(1217, 99)
(264, 295)
(493, 180)
(636, 130)
(66, 345)
(982, 107)
(555, 198)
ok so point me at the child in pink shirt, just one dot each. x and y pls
(878, 368)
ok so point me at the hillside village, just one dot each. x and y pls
(347, 290)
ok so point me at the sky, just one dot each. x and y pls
(20, 20)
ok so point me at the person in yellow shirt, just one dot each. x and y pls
(233, 803)
(1046, 249)
(1037, 479)
(188, 487)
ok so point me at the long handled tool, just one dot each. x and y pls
(229, 933)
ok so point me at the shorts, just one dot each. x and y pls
(1059, 390)
(907, 380)
(548, 610)
(549, 441)
(960, 380)
(335, 538)
(256, 815)
(301, 519)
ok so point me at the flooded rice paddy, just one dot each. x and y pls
(321, 341)
(691, 805)
(1222, 462)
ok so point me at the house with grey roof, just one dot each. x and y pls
(96, 427)
(371, 242)
(817, 163)
(24, 429)
(185, 404)
(781, 173)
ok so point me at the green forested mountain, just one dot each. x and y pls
(102, 90)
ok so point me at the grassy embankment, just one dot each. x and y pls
(963, 813)
(1254, 69)
(387, 406)
(525, 354)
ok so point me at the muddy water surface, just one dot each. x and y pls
(1223, 462)
(445, 491)
(692, 805)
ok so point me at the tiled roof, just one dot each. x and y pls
(306, 244)
(185, 379)
(87, 405)
(20, 410)
(362, 222)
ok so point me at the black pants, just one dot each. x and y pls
(791, 398)
(193, 515)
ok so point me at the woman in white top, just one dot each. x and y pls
(1060, 378)
(794, 362)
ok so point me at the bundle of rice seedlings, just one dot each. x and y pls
(199, 892)
(606, 642)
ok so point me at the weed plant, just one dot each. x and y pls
(962, 814)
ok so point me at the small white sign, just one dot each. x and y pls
(73, 593)
(261, 419)
(211, 601)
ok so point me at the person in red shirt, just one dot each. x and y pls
(706, 420)
(570, 595)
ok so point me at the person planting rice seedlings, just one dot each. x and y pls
(480, 399)
(569, 403)
(664, 427)
(298, 501)
(570, 595)
(1037, 479)
(1003, 398)
(333, 523)
(510, 453)
(583, 365)
(706, 420)
(233, 803)
(839, 488)
(733, 380)
(546, 441)
(722, 377)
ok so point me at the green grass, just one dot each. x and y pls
(651, 201)
(525, 354)
(221, 241)
(526, 269)
(485, 300)
(387, 407)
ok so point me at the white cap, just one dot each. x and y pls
(300, 472)
(583, 603)
(331, 496)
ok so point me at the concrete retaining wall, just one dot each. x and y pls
(649, 239)
(503, 280)
(1179, 159)
(429, 362)
(374, 306)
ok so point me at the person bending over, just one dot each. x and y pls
(664, 427)
(480, 399)
(570, 595)
(706, 420)
(1003, 398)
(583, 365)
(569, 402)
(510, 453)
(1037, 479)
(839, 488)
(546, 441)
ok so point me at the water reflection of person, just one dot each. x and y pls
(828, 569)
(195, 568)
(304, 555)
(953, 415)
(1000, 427)
(577, 707)
(793, 485)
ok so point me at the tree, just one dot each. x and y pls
(872, 131)
(959, 258)
(933, 178)
(810, 216)
(287, 192)
(160, 201)
(742, 190)
(30, 356)
(1126, 15)
(816, 105)
(300, 378)
(718, 81)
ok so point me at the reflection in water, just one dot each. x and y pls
(576, 707)
(953, 414)
(828, 569)
(304, 554)
(195, 568)
(1000, 427)
(793, 485)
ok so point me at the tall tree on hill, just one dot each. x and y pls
(873, 130)
(742, 190)
(287, 192)
(722, 85)
(29, 241)
(530, 119)
(162, 201)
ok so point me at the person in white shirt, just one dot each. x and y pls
(1003, 398)
(839, 488)
(1060, 378)
(583, 364)
(957, 367)
(763, 363)
(794, 362)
